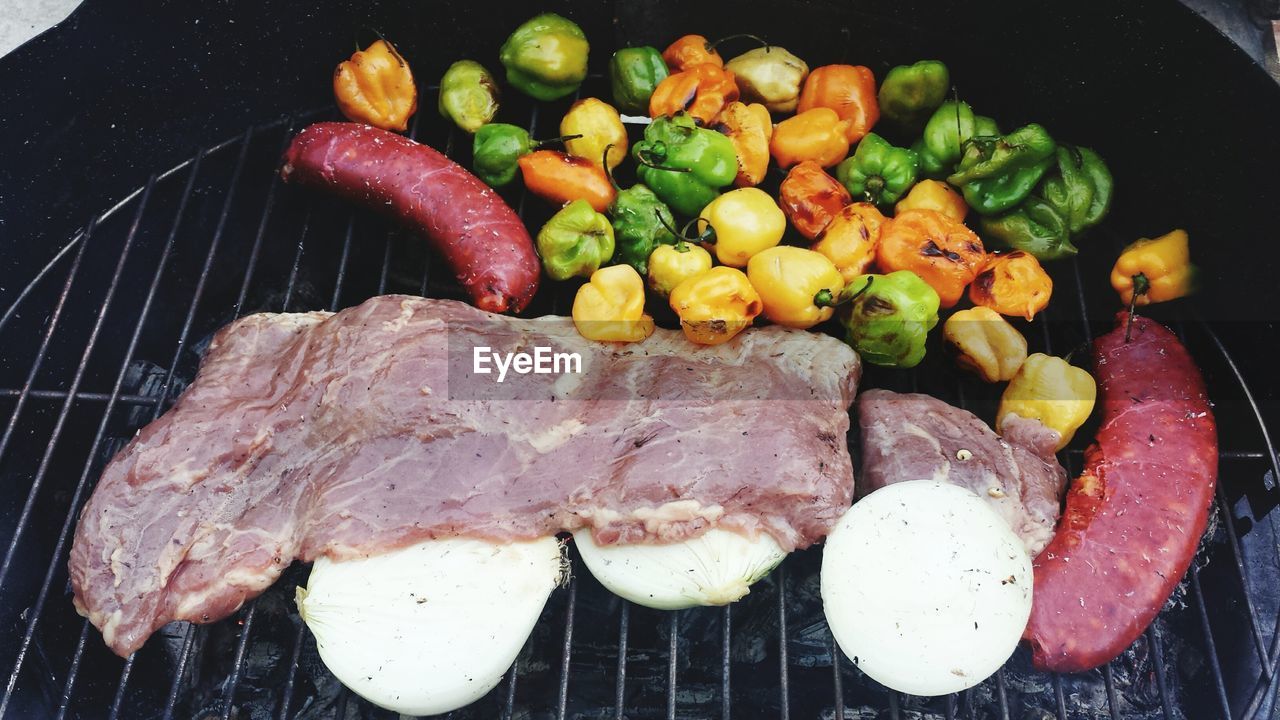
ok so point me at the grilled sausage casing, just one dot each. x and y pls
(483, 240)
(1134, 518)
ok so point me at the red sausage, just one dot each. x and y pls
(482, 239)
(1135, 516)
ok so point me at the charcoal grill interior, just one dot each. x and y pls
(102, 326)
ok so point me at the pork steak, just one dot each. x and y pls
(909, 436)
(354, 433)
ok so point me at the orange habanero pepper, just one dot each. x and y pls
(810, 198)
(817, 134)
(560, 178)
(376, 87)
(702, 91)
(851, 239)
(749, 127)
(1012, 284)
(689, 51)
(942, 251)
(850, 90)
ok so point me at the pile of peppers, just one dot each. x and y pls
(895, 200)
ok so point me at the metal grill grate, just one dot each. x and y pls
(216, 237)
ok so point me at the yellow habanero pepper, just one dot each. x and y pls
(610, 306)
(986, 343)
(850, 239)
(376, 87)
(745, 221)
(599, 126)
(798, 287)
(934, 195)
(670, 265)
(716, 305)
(1051, 390)
(749, 128)
(1158, 270)
(818, 135)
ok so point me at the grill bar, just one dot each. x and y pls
(620, 688)
(1109, 677)
(673, 649)
(287, 697)
(1157, 656)
(726, 655)
(229, 695)
(566, 650)
(1212, 645)
(784, 689)
(268, 206)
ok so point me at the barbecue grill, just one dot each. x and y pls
(140, 211)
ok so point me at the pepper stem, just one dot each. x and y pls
(538, 144)
(823, 297)
(1140, 287)
(608, 171)
(682, 239)
(707, 236)
(873, 188)
(763, 43)
(641, 159)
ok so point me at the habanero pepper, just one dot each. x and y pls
(559, 178)
(985, 343)
(997, 173)
(610, 306)
(634, 73)
(850, 90)
(577, 240)
(910, 93)
(798, 287)
(1079, 187)
(1012, 284)
(641, 222)
(546, 57)
(749, 128)
(376, 87)
(716, 305)
(771, 76)
(851, 239)
(889, 317)
(691, 50)
(941, 251)
(934, 195)
(1033, 227)
(670, 265)
(817, 134)
(951, 126)
(744, 222)
(590, 126)
(1152, 271)
(878, 172)
(702, 91)
(468, 95)
(810, 198)
(683, 164)
(1051, 390)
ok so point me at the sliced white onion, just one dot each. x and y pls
(714, 568)
(925, 587)
(432, 627)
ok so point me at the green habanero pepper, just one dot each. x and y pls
(496, 148)
(683, 164)
(546, 57)
(641, 222)
(889, 317)
(468, 95)
(945, 134)
(878, 172)
(997, 173)
(1033, 227)
(577, 240)
(1079, 188)
(634, 72)
(910, 93)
